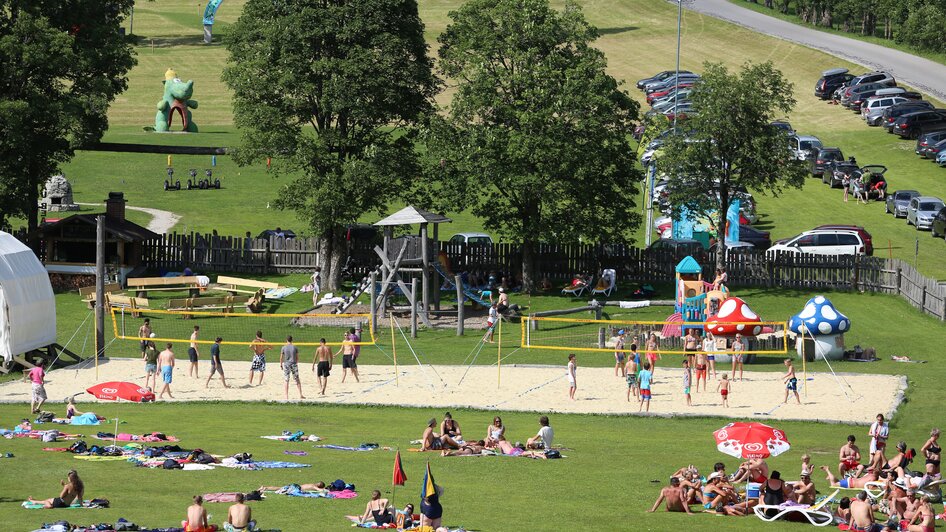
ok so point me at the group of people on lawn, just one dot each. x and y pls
(450, 441)
(163, 363)
(888, 486)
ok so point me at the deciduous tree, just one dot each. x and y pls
(535, 140)
(731, 143)
(326, 89)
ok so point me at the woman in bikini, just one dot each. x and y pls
(651, 348)
(931, 450)
(72, 490)
(495, 432)
(449, 427)
(738, 349)
(378, 509)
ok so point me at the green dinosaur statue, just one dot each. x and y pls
(177, 95)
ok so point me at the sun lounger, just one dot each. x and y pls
(818, 514)
(578, 285)
(606, 284)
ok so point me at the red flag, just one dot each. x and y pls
(399, 476)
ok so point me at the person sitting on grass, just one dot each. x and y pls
(843, 512)
(449, 427)
(71, 410)
(197, 517)
(495, 432)
(467, 449)
(239, 517)
(431, 512)
(849, 483)
(431, 441)
(72, 490)
(543, 439)
(673, 497)
(803, 491)
(754, 470)
(862, 514)
(924, 518)
(849, 458)
(378, 509)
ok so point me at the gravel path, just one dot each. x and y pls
(922, 74)
(161, 221)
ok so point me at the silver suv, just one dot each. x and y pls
(872, 110)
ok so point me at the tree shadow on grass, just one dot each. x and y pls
(617, 30)
(171, 41)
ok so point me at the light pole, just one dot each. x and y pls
(676, 91)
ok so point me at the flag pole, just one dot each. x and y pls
(499, 353)
(394, 349)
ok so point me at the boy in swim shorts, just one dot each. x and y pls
(166, 364)
(686, 381)
(643, 379)
(723, 387)
(630, 369)
(791, 382)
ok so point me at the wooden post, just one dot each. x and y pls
(425, 276)
(460, 306)
(99, 291)
(373, 279)
(414, 307)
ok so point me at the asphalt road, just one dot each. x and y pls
(922, 74)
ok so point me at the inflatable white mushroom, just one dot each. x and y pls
(821, 322)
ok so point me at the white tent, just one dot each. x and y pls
(27, 304)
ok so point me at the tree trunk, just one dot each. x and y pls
(331, 257)
(32, 209)
(721, 227)
(528, 265)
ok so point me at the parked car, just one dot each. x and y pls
(840, 172)
(912, 125)
(830, 81)
(680, 111)
(873, 77)
(865, 236)
(824, 159)
(783, 125)
(939, 223)
(670, 82)
(681, 94)
(922, 210)
(669, 91)
(892, 113)
(933, 151)
(288, 234)
(899, 201)
(822, 242)
(872, 176)
(872, 111)
(926, 140)
(679, 248)
(804, 146)
(858, 93)
(660, 76)
(471, 238)
(758, 238)
(941, 158)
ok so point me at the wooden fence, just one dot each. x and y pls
(559, 262)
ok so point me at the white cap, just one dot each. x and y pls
(502, 290)
(153, 335)
(714, 474)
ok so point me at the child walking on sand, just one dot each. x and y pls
(723, 387)
(630, 369)
(686, 381)
(572, 380)
(791, 382)
(644, 379)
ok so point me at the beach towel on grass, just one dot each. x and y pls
(279, 293)
(37, 505)
(293, 491)
(97, 458)
(292, 437)
(343, 448)
(253, 466)
(226, 497)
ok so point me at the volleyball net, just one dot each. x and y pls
(241, 328)
(570, 334)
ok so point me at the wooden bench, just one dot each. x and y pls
(129, 302)
(202, 303)
(243, 286)
(143, 285)
(87, 293)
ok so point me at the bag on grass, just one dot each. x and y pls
(50, 436)
(99, 503)
(338, 485)
(44, 417)
(172, 464)
(253, 496)
(204, 458)
(553, 453)
(78, 447)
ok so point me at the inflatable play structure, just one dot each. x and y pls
(210, 13)
(27, 304)
(177, 97)
(820, 328)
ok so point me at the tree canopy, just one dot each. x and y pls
(730, 144)
(327, 89)
(61, 64)
(535, 140)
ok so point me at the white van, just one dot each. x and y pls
(872, 110)
(471, 238)
(822, 242)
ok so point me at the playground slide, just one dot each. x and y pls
(468, 291)
(211, 11)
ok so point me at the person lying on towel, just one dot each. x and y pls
(317, 487)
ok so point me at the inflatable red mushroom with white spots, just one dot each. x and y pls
(734, 317)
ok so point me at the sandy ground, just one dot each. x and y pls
(518, 388)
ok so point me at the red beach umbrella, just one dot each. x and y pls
(116, 390)
(751, 440)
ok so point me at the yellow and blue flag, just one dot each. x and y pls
(428, 487)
